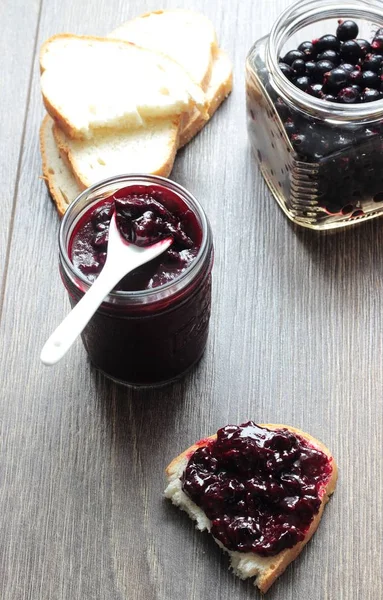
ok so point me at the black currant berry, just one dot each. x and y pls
(365, 46)
(348, 67)
(347, 30)
(286, 70)
(310, 68)
(335, 80)
(308, 50)
(290, 127)
(330, 55)
(302, 82)
(351, 51)
(370, 95)
(372, 62)
(282, 109)
(370, 79)
(329, 98)
(299, 66)
(377, 42)
(299, 141)
(327, 42)
(356, 77)
(293, 55)
(348, 95)
(322, 67)
(315, 89)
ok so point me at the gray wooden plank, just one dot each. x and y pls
(295, 338)
(15, 68)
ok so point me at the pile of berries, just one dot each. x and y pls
(338, 68)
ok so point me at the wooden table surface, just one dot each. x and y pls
(296, 338)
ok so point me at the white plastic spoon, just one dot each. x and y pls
(122, 257)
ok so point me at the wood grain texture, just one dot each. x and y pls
(16, 78)
(296, 337)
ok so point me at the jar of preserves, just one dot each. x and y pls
(316, 133)
(153, 326)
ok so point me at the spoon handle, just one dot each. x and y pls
(122, 258)
(65, 334)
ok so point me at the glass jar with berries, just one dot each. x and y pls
(315, 111)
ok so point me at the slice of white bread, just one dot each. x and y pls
(91, 83)
(59, 179)
(248, 564)
(186, 36)
(151, 149)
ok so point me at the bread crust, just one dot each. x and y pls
(58, 197)
(192, 124)
(277, 564)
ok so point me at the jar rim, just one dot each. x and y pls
(148, 295)
(306, 12)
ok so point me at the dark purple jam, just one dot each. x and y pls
(155, 336)
(144, 217)
(260, 488)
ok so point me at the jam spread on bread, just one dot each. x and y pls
(144, 216)
(260, 488)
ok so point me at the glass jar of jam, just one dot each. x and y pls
(153, 326)
(315, 111)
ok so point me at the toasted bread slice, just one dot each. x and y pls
(59, 179)
(220, 86)
(146, 150)
(89, 84)
(186, 36)
(248, 564)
